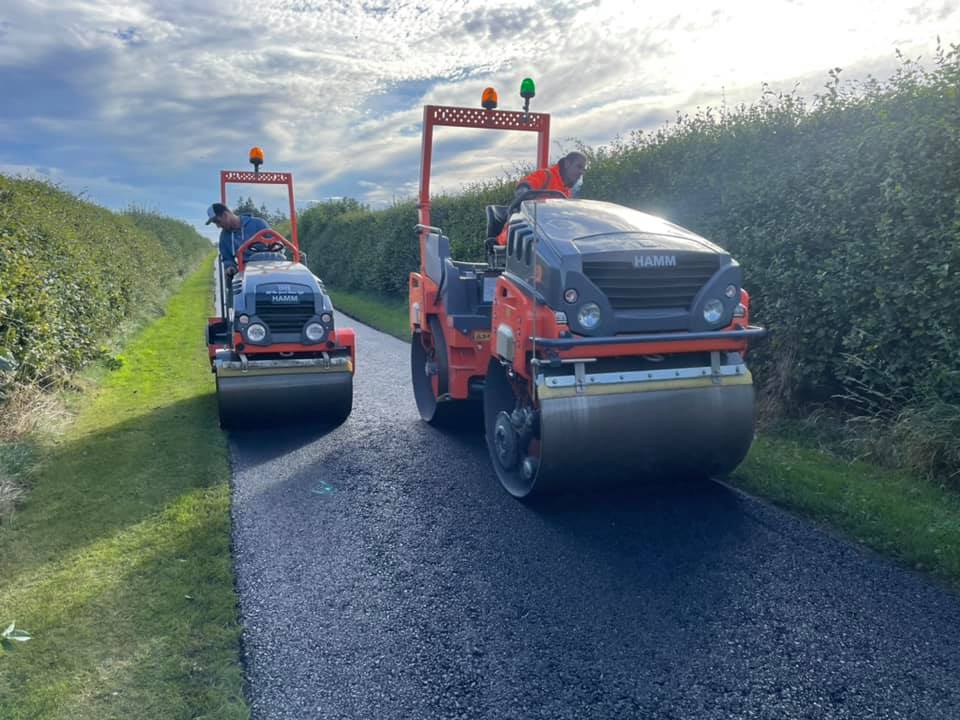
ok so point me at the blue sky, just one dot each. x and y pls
(143, 102)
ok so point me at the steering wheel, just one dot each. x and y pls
(533, 195)
(274, 241)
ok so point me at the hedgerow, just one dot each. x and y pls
(71, 271)
(844, 211)
(845, 214)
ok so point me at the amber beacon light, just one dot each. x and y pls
(256, 158)
(489, 99)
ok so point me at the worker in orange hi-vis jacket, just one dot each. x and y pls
(564, 176)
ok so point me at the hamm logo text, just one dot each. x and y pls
(654, 261)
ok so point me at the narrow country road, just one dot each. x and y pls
(384, 574)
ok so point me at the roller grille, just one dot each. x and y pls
(628, 287)
(286, 318)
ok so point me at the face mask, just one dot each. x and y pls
(575, 190)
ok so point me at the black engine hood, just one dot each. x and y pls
(586, 227)
(279, 284)
(644, 273)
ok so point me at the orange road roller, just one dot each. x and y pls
(600, 343)
(274, 348)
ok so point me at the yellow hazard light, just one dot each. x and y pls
(489, 99)
(256, 157)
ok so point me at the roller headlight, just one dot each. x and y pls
(327, 318)
(570, 295)
(314, 332)
(713, 311)
(244, 319)
(589, 316)
(730, 291)
(256, 333)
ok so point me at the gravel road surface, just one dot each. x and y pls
(384, 574)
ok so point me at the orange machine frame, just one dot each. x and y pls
(450, 116)
(245, 177)
(467, 355)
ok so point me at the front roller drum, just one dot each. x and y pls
(258, 401)
(587, 441)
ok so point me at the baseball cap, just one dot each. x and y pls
(214, 210)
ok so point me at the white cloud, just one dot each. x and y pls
(89, 187)
(168, 91)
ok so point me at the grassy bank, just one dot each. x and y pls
(895, 512)
(383, 313)
(118, 562)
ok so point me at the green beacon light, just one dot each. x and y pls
(527, 91)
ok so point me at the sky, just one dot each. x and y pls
(143, 102)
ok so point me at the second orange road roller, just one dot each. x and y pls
(274, 348)
(600, 343)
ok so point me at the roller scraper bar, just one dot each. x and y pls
(752, 332)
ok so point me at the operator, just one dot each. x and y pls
(565, 176)
(235, 230)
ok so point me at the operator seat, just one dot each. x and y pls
(496, 218)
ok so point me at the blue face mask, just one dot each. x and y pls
(575, 190)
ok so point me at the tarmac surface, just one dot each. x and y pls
(383, 573)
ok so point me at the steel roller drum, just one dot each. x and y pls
(247, 400)
(594, 439)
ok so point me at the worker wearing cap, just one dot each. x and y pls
(564, 176)
(235, 230)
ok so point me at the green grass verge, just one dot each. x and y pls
(894, 512)
(383, 313)
(891, 511)
(118, 564)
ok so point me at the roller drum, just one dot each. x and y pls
(596, 439)
(632, 428)
(323, 398)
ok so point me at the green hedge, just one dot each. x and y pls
(71, 271)
(845, 215)
(844, 212)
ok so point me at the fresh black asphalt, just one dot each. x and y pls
(384, 574)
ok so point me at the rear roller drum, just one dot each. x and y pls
(428, 370)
